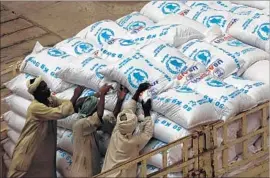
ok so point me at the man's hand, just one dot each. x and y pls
(122, 93)
(78, 90)
(147, 106)
(105, 89)
(143, 87)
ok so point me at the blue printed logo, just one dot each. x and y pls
(105, 36)
(137, 25)
(199, 4)
(263, 31)
(170, 8)
(82, 48)
(55, 52)
(236, 43)
(98, 69)
(217, 19)
(215, 83)
(175, 65)
(203, 56)
(136, 77)
(152, 27)
(124, 42)
(185, 89)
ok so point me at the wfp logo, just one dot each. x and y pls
(124, 42)
(83, 47)
(215, 83)
(98, 69)
(263, 31)
(203, 56)
(217, 19)
(185, 89)
(236, 43)
(175, 65)
(136, 26)
(170, 8)
(56, 52)
(105, 36)
(136, 77)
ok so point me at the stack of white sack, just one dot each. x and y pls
(46, 62)
(7, 160)
(255, 4)
(8, 146)
(134, 22)
(158, 10)
(253, 30)
(258, 72)
(219, 62)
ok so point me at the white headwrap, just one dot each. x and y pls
(33, 87)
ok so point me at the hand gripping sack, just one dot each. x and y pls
(66, 142)
(17, 104)
(253, 30)
(258, 72)
(63, 163)
(45, 62)
(77, 47)
(174, 34)
(135, 70)
(18, 86)
(158, 10)
(209, 17)
(248, 53)
(185, 107)
(14, 121)
(155, 160)
(220, 62)
(258, 91)
(13, 135)
(228, 100)
(255, 4)
(217, 5)
(102, 32)
(134, 22)
(85, 72)
(171, 60)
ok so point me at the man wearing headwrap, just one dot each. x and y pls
(124, 144)
(35, 152)
(86, 156)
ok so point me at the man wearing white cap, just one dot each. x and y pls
(34, 154)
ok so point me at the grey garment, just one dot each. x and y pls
(103, 141)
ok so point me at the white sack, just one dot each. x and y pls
(185, 107)
(135, 70)
(220, 62)
(155, 160)
(58, 175)
(209, 17)
(228, 100)
(134, 22)
(77, 47)
(102, 32)
(84, 72)
(18, 86)
(258, 72)
(7, 160)
(66, 94)
(17, 104)
(248, 53)
(174, 34)
(217, 5)
(14, 121)
(258, 91)
(169, 58)
(256, 4)
(253, 30)
(68, 122)
(60, 132)
(66, 142)
(111, 100)
(45, 62)
(8, 146)
(245, 10)
(158, 10)
(63, 163)
(13, 135)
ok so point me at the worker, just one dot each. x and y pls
(35, 152)
(86, 156)
(125, 144)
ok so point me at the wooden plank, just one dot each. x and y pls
(13, 26)
(23, 35)
(7, 16)
(10, 63)
(26, 47)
